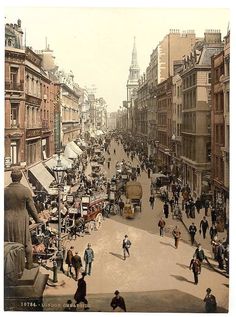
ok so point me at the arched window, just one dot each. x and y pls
(9, 42)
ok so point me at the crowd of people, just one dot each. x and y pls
(178, 201)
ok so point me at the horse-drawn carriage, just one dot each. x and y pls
(133, 193)
(159, 183)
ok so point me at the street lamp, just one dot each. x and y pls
(59, 173)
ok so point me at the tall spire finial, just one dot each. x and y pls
(134, 54)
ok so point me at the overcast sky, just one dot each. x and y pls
(96, 43)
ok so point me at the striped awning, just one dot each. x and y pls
(42, 175)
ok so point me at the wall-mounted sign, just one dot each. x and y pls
(32, 133)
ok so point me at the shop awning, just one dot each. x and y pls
(69, 153)
(24, 181)
(64, 161)
(75, 148)
(42, 175)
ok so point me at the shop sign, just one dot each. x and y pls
(33, 133)
(7, 161)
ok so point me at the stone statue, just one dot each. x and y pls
(19, 205)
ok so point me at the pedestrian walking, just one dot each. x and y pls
(200, 255)
(149, 172)
(176, 234)
(152, 200)
(161, 225)
(118, 301)
(121, 205)
(80, 294)
(77, 264)
(114, 151)
(108, 164)
(206, 206)
(203, 227)
(210, 302)
(68, 261)
(126, 245)
(166, 209)
(195, 266)
(198, 205)
(88, 259)
(192, 231)
(213, 231)
(220, 255)
(213, 215)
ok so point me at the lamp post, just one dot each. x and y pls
(59, 173)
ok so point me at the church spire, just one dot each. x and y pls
(134, 55)
(134, 68)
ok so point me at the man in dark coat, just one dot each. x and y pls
(198, 205)
(152, 200)
(80, 294)
(166, 209)
(204, 226)
(19, 205)
(118, 301)
(200, 255)
(195, 265)
(68, 261)
(210, 300)
(192, 231)
(77, 264)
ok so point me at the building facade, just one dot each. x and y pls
(28, 103)
(173, 47)
(220, 127)
(196, 127)
(14, 96)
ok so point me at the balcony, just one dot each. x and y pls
(14, 86)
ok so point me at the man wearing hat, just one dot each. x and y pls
(19, 205)
(126, 245)
(118, 301)
(210, 302)
(80, 294)
(77, 264)
(88, 259)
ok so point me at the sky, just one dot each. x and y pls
(96, 43)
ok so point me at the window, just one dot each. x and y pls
(14, 74)
(209, 78)
(14, 152)
(14, 115)
(31, 153)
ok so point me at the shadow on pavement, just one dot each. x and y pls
(183, 265)
(182, 279)
(119, 256)
(169, 244)
(169, 301)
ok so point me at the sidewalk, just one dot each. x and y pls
(155, 301)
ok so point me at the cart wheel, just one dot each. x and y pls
(98, 221)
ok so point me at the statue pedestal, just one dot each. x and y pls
(27, 293)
